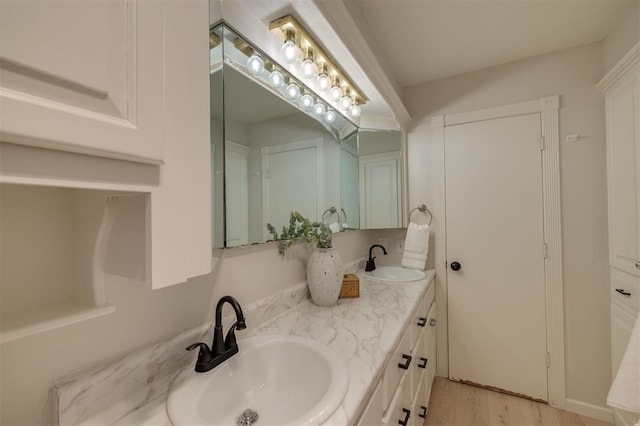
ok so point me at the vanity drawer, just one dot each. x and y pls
(399, 411)
(420, 321)
(420, 362)
(419, 406)
(394, 371)
(625, 289)
(372, 415)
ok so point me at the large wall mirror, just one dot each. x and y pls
(272, 153)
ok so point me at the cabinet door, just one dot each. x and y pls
(84, 76)
(622, 321)
(623, 156)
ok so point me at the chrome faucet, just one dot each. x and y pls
(371, 264)
(221, 350)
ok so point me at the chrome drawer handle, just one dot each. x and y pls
(621, 291)
(424, 412)
(407, 414)
(422, 322)
(433, 322)
(406, 365)
(423, 363)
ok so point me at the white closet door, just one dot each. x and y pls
(237, 194)
(380, 191)
(494, 217)
(292, 180)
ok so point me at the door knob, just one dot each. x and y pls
(456, 266)
(638, 264)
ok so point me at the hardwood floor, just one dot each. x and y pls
(456, 404)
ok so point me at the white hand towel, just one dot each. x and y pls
(416, 247)
(625, 390)
(335, 227)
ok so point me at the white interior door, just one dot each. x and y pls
(292, 180)
(494, 222)
(380, 191)
(237, 194)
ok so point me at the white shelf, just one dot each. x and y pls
(25, 323)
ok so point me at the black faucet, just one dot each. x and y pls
(220, 350)
(371, 264)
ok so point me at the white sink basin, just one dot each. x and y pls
(287, 380)
(396, 273)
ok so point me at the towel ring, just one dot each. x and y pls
(422, 209)
(344, 215)
(329, 212)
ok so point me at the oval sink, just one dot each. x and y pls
(396, 273)
(286, 380)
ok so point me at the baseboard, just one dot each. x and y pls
(590, 410)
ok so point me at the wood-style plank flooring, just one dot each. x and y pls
(456, 404)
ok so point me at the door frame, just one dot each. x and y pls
(548, 108)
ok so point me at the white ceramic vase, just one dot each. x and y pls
(324, 276)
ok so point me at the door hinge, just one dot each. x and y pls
(545, 250)
(541, 143)
(548, 359)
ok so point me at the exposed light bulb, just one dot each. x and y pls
(292, 91)
(319, 108)
(308, 68)
(255, 64)
(276, 79)
(345, 102)
(289, 51)
(330, 116)
(306, 102)
(323, 82)
(355, 110)
(335, 93)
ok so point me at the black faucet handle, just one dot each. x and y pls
(230, 339)
(204, 355)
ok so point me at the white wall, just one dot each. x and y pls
(572, 74)
(625, 36)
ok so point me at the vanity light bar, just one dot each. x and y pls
(287, 25)
(214, 39)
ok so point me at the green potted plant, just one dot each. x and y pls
(324, 267)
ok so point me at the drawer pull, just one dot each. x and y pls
(422, 322)
(433, 322)
(424, 412)
(638, 264)
(406, 365)
(621, 291)
(423, 362)
(407, 414)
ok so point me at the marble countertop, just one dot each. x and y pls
(363, 331)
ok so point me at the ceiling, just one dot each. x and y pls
(424, 40)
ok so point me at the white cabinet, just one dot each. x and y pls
(402, 394)
(622, 87)
(85, 77)
(105, 111)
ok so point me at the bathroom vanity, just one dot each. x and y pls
(386, 338)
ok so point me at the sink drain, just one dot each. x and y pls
(248, 417)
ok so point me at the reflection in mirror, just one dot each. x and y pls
(350, 183)
(380, 178)
(272, 154)
(277, 157)
(217, 135)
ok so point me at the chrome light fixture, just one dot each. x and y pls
(330, 116)
(329, 76)
(355, 110)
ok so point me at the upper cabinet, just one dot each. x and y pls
(84, 77)
(104, 153)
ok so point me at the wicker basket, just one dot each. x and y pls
(350, 286)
